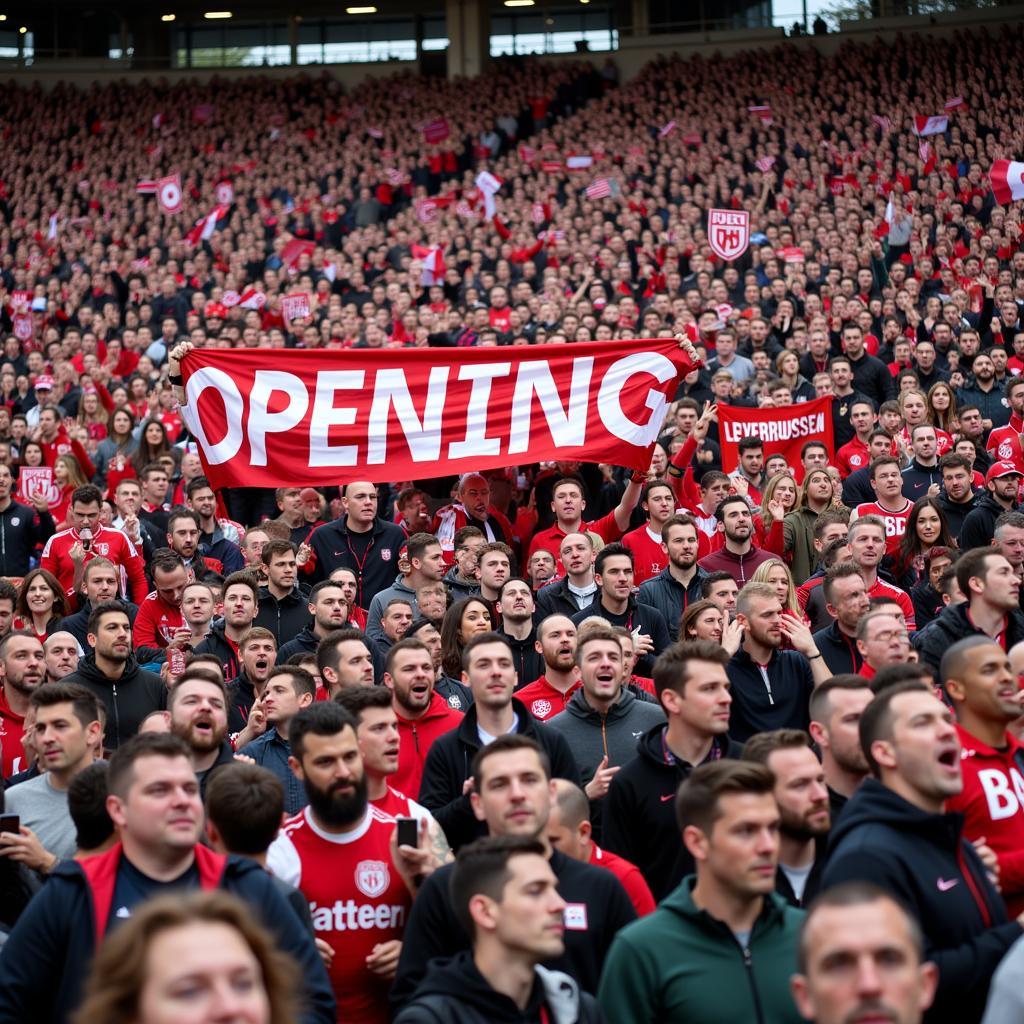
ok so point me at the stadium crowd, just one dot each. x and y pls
(560, 742)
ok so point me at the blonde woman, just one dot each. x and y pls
(776, 574)
(778, 499)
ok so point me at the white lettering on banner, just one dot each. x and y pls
(350, 916)
(1003, 801)
(424, 439)
(227, 447)
(279, 401)
(262, 421)
(477, 443)
(567, 427)
(770, 430)
(326, 415)
(609, 397)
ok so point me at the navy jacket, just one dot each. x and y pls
(331, 547)
(782, 704)
(45, 961)
(839, 650)
(925, 862)
(284, 617)
(670, 597)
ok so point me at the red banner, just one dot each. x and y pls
(784, 431)
(274, 418)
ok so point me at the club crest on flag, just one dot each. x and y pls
(225, 193)
(728, 233)
(168, 193)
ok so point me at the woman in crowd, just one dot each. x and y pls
(926, 528)
(67, 476)
(41, 604)
(460, 624)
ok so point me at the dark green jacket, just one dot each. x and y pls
(798, 531)
(679, 964)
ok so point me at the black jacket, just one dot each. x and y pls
(303, 642)
(285, 617)
(555, 599)
(45, 962)
(455, 992)
(917, 479)
(871, 377)
(639, 820)
(458, 587)
(980, 525)
(650, 621)
(449, 762)
(758, 708)
(928, 603)
(77, 625)
(331, 547)
(433, 930)
(925, 862)
(813, 884)
(529, 663)
(241, 697)
(216, 643)
(956, 513)
(670, 597)
(128, 700)
(857, 488)
(22, 530)
(953, 625)
(839, 650)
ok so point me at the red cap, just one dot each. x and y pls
(1000, 469)
(44, 382)
(216, 309)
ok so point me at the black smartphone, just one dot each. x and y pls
(408, 832)
(10, 823)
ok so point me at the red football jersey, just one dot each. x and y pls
(356, 897)
(649, 557)
(155, 622)
(542, 700)
(1004, 443)
(992, 803)
(12, 729)
(895, 522)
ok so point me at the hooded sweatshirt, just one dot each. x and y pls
(455, 992)
(592, 736)
(682, 964)
(925, 862)
(417, 737)
(128, 699)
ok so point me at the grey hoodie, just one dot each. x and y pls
(379, 604)
(592, 736)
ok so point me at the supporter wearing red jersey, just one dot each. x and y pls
(547, 695)
(890, 506)
(472, 509)
(1004, 442)
(67, 552)
(568, 505)
(54, 441)
(341, 853)
(649, 557)
(978, 678)
(422, 713)
(24, 670)
(159, 617)
(570, 831)
(854, 454)
(380, 740)
(866, 538)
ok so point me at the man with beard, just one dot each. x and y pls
(547, 695)
(1002, 481)
(516, 606)
(199, 716)
(241, 602)
(342, 853)
(771, 686)
(329, 608)
(576, 589)
(679, 582)
(112, 674)
(159, 623)
(896, 834)
(283, 607)
(835, 709)
(154, 802)
(802, 796)
(423, 715)
(738, 556)
(100, 582)
(343, 659)
(287, 690)
(61, 650)
(380, 743)
(958, 497)
(455, 693)
(257, 652)
(23, 668)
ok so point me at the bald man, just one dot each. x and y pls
(472, 507)
(62, 653)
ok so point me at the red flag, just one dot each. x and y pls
(295, 307)
(252, 299)
(261, 418)
(934, 125)
(168, 193)
(294, 249)
(1007, 177)
(783, 431)
(436, 131)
